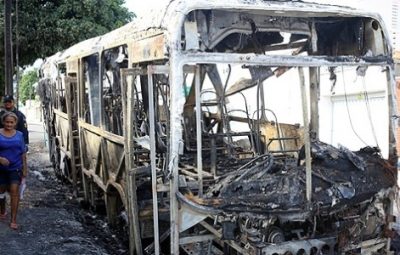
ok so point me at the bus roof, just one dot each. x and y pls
(165, 14)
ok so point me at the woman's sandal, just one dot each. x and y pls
(3, 216)
(14, 226)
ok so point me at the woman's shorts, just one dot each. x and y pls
(10, 177)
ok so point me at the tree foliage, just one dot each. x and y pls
(26, 86)
(48, 26)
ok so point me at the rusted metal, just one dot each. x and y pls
(74, 152)
(198, 133)
(133, 212)
(153, 159)
(148, 49)
(314, 99)
(73, 66)
(307, 144)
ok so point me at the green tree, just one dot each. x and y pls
(48, 26)
(26, 85)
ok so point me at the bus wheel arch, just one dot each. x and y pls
(115, 201)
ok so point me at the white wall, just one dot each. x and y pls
(32, 111)
(355, 112)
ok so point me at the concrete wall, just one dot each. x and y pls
(32, 111)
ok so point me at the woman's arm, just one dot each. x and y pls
(4, 161)
(24, 166)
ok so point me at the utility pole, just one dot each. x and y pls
(17, 53)
(8, 58)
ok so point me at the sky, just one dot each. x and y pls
(139, 7)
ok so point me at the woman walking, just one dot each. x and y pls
(12, 165)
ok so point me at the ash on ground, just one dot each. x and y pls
(50, 219)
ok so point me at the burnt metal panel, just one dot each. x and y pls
(72, 66)
(149, 49)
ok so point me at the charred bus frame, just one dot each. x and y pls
(121, 126)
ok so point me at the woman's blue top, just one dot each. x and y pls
(12, 148)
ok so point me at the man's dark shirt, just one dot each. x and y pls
(21, 125)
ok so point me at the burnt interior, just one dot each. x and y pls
(339, 176)
(229, 31)
(258, 193)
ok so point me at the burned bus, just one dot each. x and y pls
(232, 127)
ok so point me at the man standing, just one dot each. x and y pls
(8, 105)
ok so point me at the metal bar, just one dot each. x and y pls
(131, 173)
(81, 93)
(213, 157)
(99, 181)
(127, 106)
(92, 199)
(175, 145)
(198, 132)
(159, 69)
(134, 71)
(104, 158)
(60, 114)
(177, 105)
(120, 167)
(283, 138)
(192, 185)
(68, 91)
(314, 99)
(153, 159)
(59, 91)
(283, 151)
(314, 38)
(307, 144)
(100, 93)
(183, 171)
(219, 236)
(287, 46)
(134, 219)
(196, 239)
(231, 134)
(65, 150)
(392, 106)
(98, 164)
(276, 60)
(393, 122)
(149, 249)
(366, 243)
(98, 131)
(85, 181)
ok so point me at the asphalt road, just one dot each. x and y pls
(50, 219)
